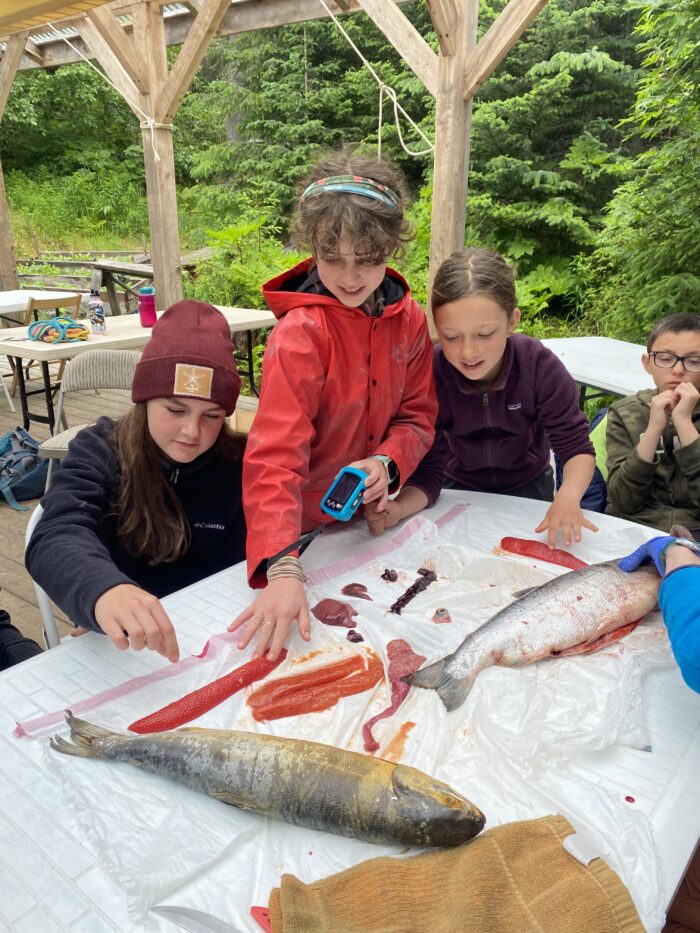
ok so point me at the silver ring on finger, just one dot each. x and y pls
(267, 623)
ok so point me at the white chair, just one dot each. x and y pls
(47, 617)
(8, 397)
(91, 369)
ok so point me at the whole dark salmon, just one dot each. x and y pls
(574, 613)
(304, 783)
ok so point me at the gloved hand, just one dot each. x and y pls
(650, 550)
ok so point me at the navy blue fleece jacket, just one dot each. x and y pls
(75, 553)
(499, 439)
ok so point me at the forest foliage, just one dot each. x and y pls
(583, 143)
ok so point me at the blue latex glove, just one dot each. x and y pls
(650, 550)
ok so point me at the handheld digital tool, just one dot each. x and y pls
(345, 494)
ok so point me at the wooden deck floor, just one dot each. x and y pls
(16, 589)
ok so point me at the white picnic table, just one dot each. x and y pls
(88, 845)
(602, 363)
(123, 333)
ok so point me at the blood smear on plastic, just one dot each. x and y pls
(630, 799)
(396, 746)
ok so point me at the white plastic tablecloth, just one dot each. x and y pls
(611, 740)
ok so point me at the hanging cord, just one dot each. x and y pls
(148, 122)
(390, 93)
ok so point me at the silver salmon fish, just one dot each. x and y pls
(574, 613)
(304, 783)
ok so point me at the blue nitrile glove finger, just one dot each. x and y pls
(650, 550)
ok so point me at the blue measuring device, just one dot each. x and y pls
(345, 494)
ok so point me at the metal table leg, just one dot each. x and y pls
(17, 363)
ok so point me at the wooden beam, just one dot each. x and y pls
(34, 52)
(242, 16)
(9, 63)
(405, 38)
(452, 142)
(102, 51)
(8, 264)
(444, 15)
(499, 39)
(204, 27)
(159, 159)
(119, 43)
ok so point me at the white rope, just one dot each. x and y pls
(148, 123)
(390, 93)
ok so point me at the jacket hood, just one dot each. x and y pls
(282, 292)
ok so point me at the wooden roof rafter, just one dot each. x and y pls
(129, 39)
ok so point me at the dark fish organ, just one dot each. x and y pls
(333, 612)
(422, 583)
(354, 636)
(356, 589)
(391, 576)
(305, 783)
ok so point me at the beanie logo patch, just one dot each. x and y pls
(193, 380)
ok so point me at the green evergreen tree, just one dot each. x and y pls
(647, 263)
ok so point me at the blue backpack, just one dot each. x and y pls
(22, 470)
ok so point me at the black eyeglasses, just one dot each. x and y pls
(666, 360)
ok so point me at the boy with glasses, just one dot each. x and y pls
(652, 437)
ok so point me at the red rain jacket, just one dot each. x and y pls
(337, 386)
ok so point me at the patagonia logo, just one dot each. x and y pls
(193, 380)
(515, 406)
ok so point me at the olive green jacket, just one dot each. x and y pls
(659, 494)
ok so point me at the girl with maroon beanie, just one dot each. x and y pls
(505, 402)
(151, 503)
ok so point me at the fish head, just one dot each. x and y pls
(449, 818)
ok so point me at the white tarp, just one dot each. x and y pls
(512, 747)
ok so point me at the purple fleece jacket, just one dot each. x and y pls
(500, 439)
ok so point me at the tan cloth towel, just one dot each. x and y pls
(516, 877)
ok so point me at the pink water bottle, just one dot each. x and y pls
(147, 306)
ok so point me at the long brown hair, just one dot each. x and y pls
(474, 271)
(376, 229)
(150, 520)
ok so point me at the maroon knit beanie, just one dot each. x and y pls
(190, 355)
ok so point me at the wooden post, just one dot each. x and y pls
(8, 263)
(8, 68)
(455, 25)
(138, 67)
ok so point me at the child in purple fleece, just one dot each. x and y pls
(505, 401)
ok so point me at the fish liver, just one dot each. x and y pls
(333, 612)
(356, 589)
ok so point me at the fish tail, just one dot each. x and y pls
(452, 692)
(82, 733)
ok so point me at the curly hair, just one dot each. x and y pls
(377, 230)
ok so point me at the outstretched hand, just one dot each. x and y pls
(131, 616)
(565, 515)
(272, 614)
